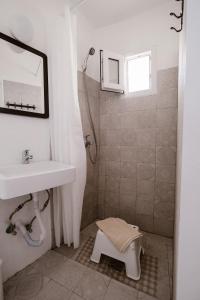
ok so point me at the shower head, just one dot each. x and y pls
(91, 51)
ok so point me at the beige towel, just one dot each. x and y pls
(119, 232)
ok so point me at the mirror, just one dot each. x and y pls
(23, 79)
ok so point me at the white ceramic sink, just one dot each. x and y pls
(21, 179)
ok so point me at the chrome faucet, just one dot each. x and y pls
(26, 156)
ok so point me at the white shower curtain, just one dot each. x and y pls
(67, 142)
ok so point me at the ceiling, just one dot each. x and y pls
(105, 12)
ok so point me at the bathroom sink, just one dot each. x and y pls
(21, 179)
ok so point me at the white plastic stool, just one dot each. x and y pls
(131, 257)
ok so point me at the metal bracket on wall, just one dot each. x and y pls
(178, 17)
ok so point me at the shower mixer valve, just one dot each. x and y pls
(88, 143)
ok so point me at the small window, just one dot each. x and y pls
(139, 77)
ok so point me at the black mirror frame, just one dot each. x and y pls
(45, 115)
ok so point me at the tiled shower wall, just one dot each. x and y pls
(87, 87)
(138, 156)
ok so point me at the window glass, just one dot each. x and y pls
(138, 73)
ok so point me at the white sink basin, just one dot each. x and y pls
(21, 179)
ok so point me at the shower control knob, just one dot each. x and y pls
(88, 143)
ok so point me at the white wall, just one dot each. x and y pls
(140, 33)
(187, 262)
(18, 133)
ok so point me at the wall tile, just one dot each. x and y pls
(146, 187)
(127, 137)
(144, 205)
(164, 210)
(128, 120)
(164, 227)
(166, 137)
(108, 153)
(145, 222)
(145, 103)
(90, 202)
(168, 99)
(166, 155)
(101, 204)
(110, 121)
(146, 137)
(102, 183)
(167, 79)
(166, 173)
(128, 186)
(138, 139)
(128, 153)
(146, 171)
(127, 207)
(112, 184)
(128, 170)
(102, 168)
(146, 154)
(166, 118)
(111, 204)
(110, 137)
(145, 119)
(128, 200)
(165, 191)
(113, 169)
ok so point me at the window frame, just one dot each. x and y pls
(152, 73)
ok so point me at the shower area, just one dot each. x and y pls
(131, 140)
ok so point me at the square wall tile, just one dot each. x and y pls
(166, 137)
(167, 118)
(111, 204)
(108, 153)
(112, 184)
(145, 222)
(127, 137)
(168, 99)
(128, 120)
(166, 155)
(146, 155)
(145, 119)
(164, 227)
(146, 137)
(165, 191)
(166, 173)
(167, 79)
(127, 186)
(144, 205)
(128, 170)
(113, 169)
(128, 154)
(146, 187)
(146, 172)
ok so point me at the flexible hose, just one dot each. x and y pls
(26, 234)
(92, 159)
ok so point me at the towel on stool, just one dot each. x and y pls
(120, 233)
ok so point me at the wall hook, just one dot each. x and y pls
(178, 17)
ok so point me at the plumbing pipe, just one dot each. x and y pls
(1, 281)
(25, 233)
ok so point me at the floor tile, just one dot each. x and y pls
(75, 297)
(69, 252)
(68, 274)
(143, 296)
(48, 263)
(53, 291)
(119, 291)
(92, 286)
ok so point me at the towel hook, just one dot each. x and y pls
(178, 17)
